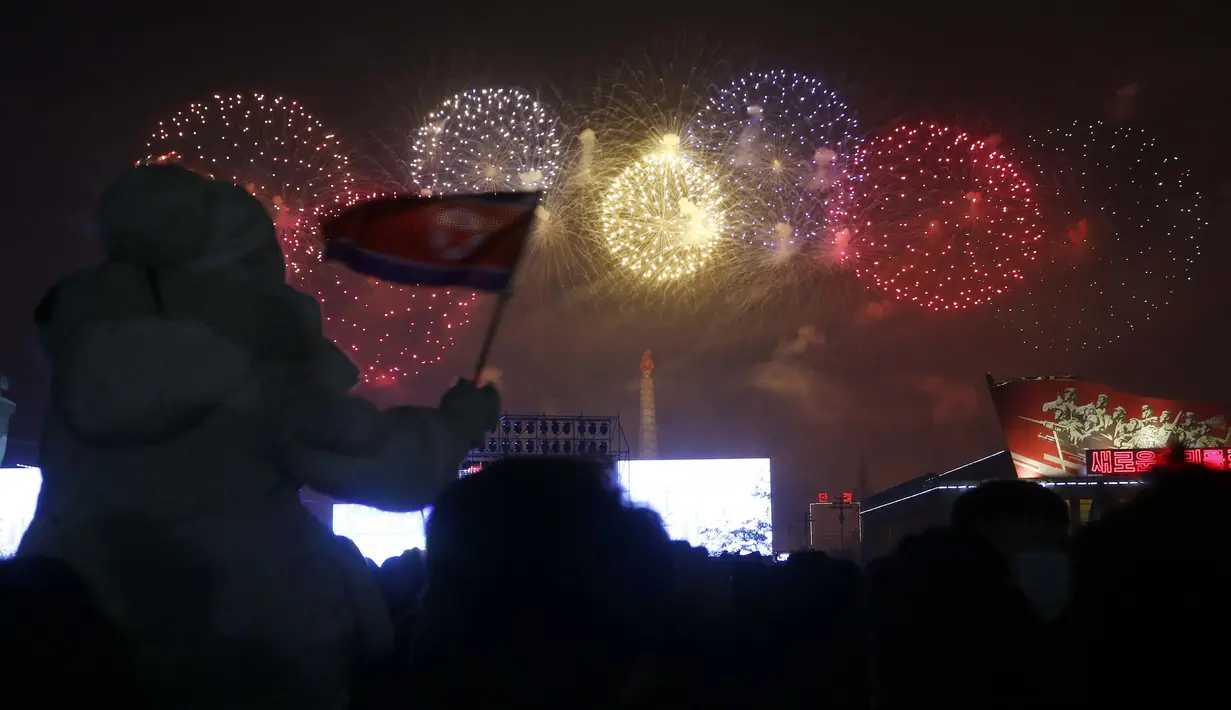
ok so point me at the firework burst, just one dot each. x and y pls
(932, 216)
(282, 155)
(272, 147)
(392, 332)
(782, 138)
(487, 140)
(637, 116)
(1125, 232)
(663, 215)
(565, 256)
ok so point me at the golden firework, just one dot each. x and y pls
(664, 215)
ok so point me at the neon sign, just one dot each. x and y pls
(847, 498)
(1119, 462)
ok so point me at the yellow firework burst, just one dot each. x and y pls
(664, 215)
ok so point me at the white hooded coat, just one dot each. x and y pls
(193, 393)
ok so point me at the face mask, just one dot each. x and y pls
(1044, 578)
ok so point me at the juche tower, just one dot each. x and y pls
(649, 426)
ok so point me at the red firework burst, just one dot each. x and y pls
(390, 331)
(297, 168)
(271, 146)
(935, 217)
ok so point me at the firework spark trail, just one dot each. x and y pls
(564, 259)
(585, 165)
(1124, 231)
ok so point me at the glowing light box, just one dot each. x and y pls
(380, 535)
(19, 489)
(720, 504)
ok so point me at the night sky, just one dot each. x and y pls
(84, 87)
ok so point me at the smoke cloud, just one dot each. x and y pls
(874, 311)
(784, 248)
(784, 374)
(952, 402)
(1125, 105)
(695, 224)
(823, 170)
(745, 146)
(531, 180)
(585, 164)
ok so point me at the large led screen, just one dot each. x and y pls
(380, 535)
(19, 489)
(720, 504)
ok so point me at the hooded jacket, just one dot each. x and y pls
(192, 394)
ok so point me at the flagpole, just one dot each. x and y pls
(502, 302)
(490, 337)
(378, 240)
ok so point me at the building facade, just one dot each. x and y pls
(927, 501)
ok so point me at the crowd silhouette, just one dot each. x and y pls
(541, 587)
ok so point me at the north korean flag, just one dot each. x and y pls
(473, 241)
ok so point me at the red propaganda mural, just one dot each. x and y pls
(1052, 423)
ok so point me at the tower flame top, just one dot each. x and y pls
(647, 364)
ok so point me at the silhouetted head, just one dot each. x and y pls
(951, 585)
(1015, 516)
(167, 216)
(1160, 557)
(540, 553)
(1028, 526)
(534, 527)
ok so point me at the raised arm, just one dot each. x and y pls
(396, 460)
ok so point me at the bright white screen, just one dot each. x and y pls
(19, 489)
(380, 535)
(721, 504)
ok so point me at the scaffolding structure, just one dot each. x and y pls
(599, 437)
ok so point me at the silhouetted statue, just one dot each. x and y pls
(192, 394)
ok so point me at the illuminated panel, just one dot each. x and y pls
(19, 489)
(720, 504)
(380, 535)
(1120, 462)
